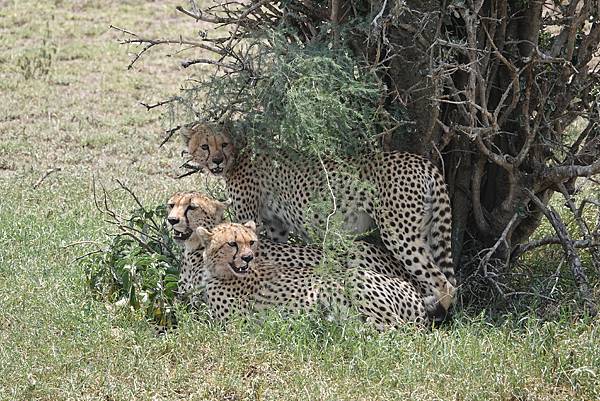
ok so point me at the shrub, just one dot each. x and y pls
(309, 98)
(139, 267)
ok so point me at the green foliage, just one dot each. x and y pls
(139, 268)
(311, 98)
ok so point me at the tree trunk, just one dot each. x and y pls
(487, 112)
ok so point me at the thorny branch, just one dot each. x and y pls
(531, 245)
(148, 43)
(159, 104)
(44, 176)
(170, 133)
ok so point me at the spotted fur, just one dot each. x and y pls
(363, 256)
(239, 283)
(402, 194)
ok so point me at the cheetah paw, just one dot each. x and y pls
(446, 296)
(437, 305)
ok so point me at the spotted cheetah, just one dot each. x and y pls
(190, 210)
(239, 283)
(402, 194)
(186, 212)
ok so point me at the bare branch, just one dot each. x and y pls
(169, 133)
(44, 176)
(531, 245)
(529, 132)
(149, 43)
(192, 169)
(376, 19)
(500, 160)
(133, 195)
(186, 64)
(241, 18)
(551, 175)
(152, 228)
(515, 73)
(520, 293)
(570, 252)
(158, 104)
(477, 176)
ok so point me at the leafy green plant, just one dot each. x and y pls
(139, 267)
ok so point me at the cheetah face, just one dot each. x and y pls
(190, 210)
(210, 147)
(229, 249)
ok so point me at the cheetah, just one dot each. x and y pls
(402, 194)
(186, 212)
(238, 283)
(190, 210)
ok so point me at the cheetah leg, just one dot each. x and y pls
(439, 229)
(417, 259)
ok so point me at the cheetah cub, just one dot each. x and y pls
(238, 282)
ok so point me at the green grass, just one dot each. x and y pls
(57, 342)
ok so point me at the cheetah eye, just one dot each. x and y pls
(170, 205)
(205, 147)
(225, 144)
(193, 207)
(232, 244)
(252, 243)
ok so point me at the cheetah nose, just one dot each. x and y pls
(247, 258)
(173, 220)
(217, 160)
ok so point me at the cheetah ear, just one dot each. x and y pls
(223, 205)
(226, 203)
(237, 136)
(204, 235)
(187, 130)
(251, 225)
(226, 128)
(259, 228)
(240, 140)
(186, 133)
(225, 125)
(224, 119)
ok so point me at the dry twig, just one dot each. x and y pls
(44, 176)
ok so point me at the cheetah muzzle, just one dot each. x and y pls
(181, 235)
(241, 270)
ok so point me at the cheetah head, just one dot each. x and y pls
(229, 248)
(210, 147)
(190, 210)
